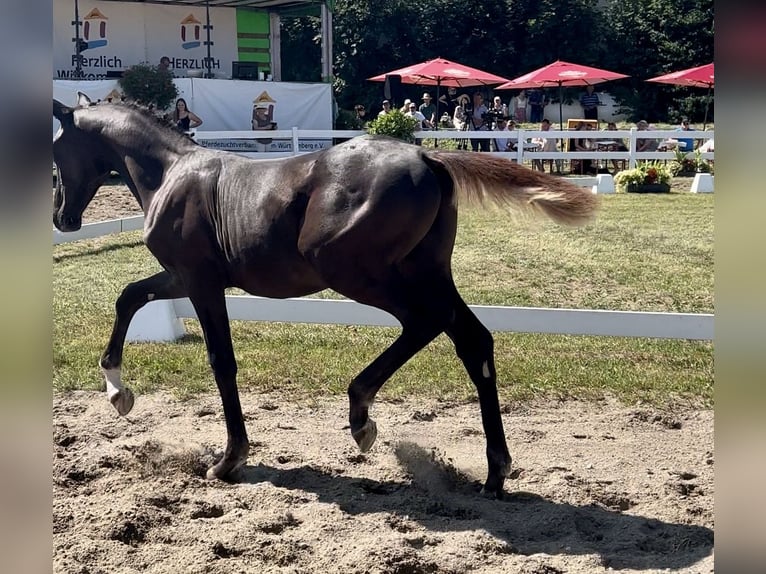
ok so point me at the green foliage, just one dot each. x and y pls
(149, 85)
(643, 253)
(684, 164)
(645, 173)
(641, 38)
(394, 124)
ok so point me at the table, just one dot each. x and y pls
(670, 145)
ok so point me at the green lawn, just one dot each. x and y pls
(643, 253)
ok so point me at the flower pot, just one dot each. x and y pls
(648, 188)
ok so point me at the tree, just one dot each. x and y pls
(149, 85)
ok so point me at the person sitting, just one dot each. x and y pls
(545, 145)
(619, 145)
(685, 144)
(645, 144)
(386, 108)
(584, 144)
(503, 143)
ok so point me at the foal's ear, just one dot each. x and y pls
(83, 100)
(61, 112)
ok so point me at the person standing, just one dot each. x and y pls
(590, 103)
(428, 110)
(477, 123)
(545, 145)
(520, 107)
(386, 108)
(184, 118)
(536, 105)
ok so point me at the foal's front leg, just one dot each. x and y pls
(210, 305)
(160, 286)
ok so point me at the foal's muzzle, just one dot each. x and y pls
(65, 222)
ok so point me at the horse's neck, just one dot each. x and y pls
(144, 164)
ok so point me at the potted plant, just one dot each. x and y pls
(685, 166)
(646, 177)
(149, 85)
(394, 124)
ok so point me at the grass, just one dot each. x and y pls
(647, 253)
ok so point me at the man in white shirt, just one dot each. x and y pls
(414, 113)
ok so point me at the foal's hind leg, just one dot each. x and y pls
(133, 297)
(416, 334)
(475, 347)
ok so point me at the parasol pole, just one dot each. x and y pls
(561, 106)
(436, 125)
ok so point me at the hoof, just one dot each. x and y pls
(123, 401)
(224, 469)
(493, 488)
(365, 436)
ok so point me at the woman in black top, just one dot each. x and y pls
(184, 118)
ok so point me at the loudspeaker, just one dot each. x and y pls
(392, 89)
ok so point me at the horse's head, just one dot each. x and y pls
(81, 166)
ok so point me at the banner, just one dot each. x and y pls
(118, 35)
(228, 105)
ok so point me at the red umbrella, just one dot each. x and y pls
(440, 72)
(699, 77)
(561, 74)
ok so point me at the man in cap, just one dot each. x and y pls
(386, 108)
(429, 112)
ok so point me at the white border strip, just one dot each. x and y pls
(694, 326)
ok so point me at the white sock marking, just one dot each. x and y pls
(485, 369)
(113, 384)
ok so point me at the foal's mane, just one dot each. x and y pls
(163, 121)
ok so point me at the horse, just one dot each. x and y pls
(373, 218)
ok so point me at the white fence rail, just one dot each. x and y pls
(295, 136)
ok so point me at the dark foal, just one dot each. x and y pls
(373, 218)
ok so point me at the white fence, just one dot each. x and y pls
(295, 136)
(161, 320)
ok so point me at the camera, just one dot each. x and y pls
(493, 116)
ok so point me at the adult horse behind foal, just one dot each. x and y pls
(373, 219)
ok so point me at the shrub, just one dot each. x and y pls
(394, 124)
(645, 173)
(149, 85)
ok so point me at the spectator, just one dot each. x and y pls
(477, 122)
(428, 110)
(499, 107)
(164, 63)
(546, 145)
(460, 116)
(360, 114)
(536, 105)
(502, 142)
(405, 106)
(413, 112)
(645, 144)
(618, 146)
(520, 107)
(184, 118)
(590, 102)
(444, 111)
(688, 142)
(386, 108)
(584, 144)
(451, 100)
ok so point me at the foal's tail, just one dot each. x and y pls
(480, 176)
